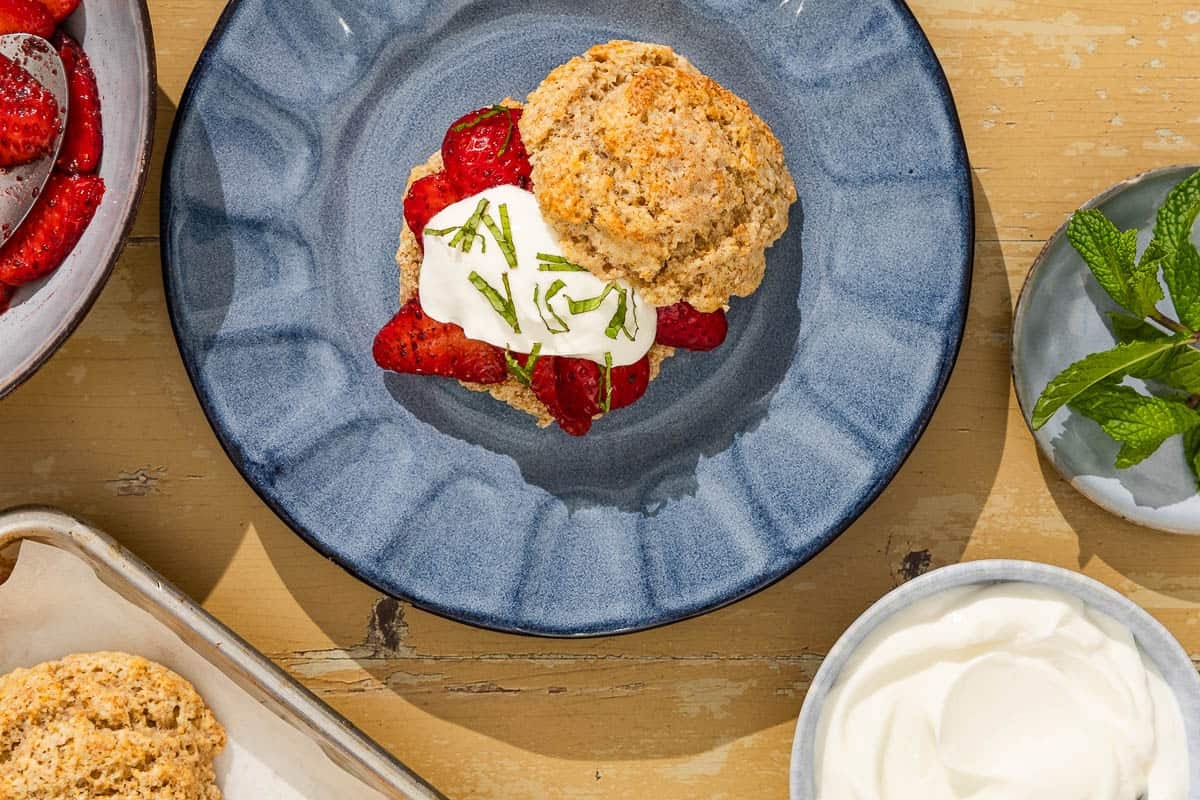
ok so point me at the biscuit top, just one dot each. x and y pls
(105, 725)
(650, 171)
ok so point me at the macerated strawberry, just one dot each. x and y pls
(6, 295)
(61, 9)
(414, 343)
(484, 149)
(425, 199)
(580, 382)
(26, 16)
(681, 325)
(629, 383)
(28, 116)
(83, 142)
(52, 229)
(545, 385)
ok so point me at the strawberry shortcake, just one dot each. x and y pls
(555, 253)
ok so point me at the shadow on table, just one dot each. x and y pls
(697, 685)
(1163, 562)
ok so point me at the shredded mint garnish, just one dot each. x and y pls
(503, 304)
(591, 303)
(502, 238)
(617, 324)
(507, 229)
(507, 135)
(606, 405)
(494, 111)
(524, 374)
(1154, 347)
(557, 264)
(470, 229)
(554, 289)
(440, 231)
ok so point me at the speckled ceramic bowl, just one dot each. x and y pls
(1155, 641)
(1061, 317)
(116, 35)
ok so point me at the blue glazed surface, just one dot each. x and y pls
(281, 213)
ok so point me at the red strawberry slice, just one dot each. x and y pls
(681, 325)
(484, 149)
(61, 9)
(579, 385)
(28, 116)
(425, 199)
(414, 343)
(629, 383)
(6, 295)
(545, 384)
(84, 140)
(25, 16)
(52, 229)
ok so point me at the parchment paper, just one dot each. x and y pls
(53, 605)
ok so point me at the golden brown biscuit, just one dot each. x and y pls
(652, 172)
(105, 725)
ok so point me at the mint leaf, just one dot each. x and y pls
(1140, 423)
(1145, 292)
(1173, 227)
(1179, 369)
(1191, 451)
(1110, 254)
(1095, 369)
(1182, 273)
(1131, 329)
(1181, 262)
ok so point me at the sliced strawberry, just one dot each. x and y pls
(6, 295)
(28, 116)
(545, 384)
(415, 343)
(52, 229)
(61, 9)
(425, 199)
(83, 142)
(26, 16)
(484, 149)
(629, 383)
(681, 325)
(579, 384)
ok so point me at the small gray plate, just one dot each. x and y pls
(1061, 317)
(1154, 640)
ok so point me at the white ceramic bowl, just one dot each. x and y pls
(1062, 316)
(1155, 641)
(116, 35)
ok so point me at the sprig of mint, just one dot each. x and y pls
(1153, 347)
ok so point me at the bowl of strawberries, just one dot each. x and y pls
(95, 145)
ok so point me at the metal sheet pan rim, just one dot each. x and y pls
(122, 571)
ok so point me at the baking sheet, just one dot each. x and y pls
(54, 604)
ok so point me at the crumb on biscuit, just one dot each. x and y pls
(650, 171)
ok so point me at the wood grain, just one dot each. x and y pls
(1058, 101)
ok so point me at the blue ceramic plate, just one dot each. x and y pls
(281, 213)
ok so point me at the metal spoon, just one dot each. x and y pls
(20, 186)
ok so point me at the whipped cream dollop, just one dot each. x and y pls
(1009, 691)
(493, 266)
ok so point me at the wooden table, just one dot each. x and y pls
(1059, 100)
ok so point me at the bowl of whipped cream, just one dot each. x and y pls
(1001, 680)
